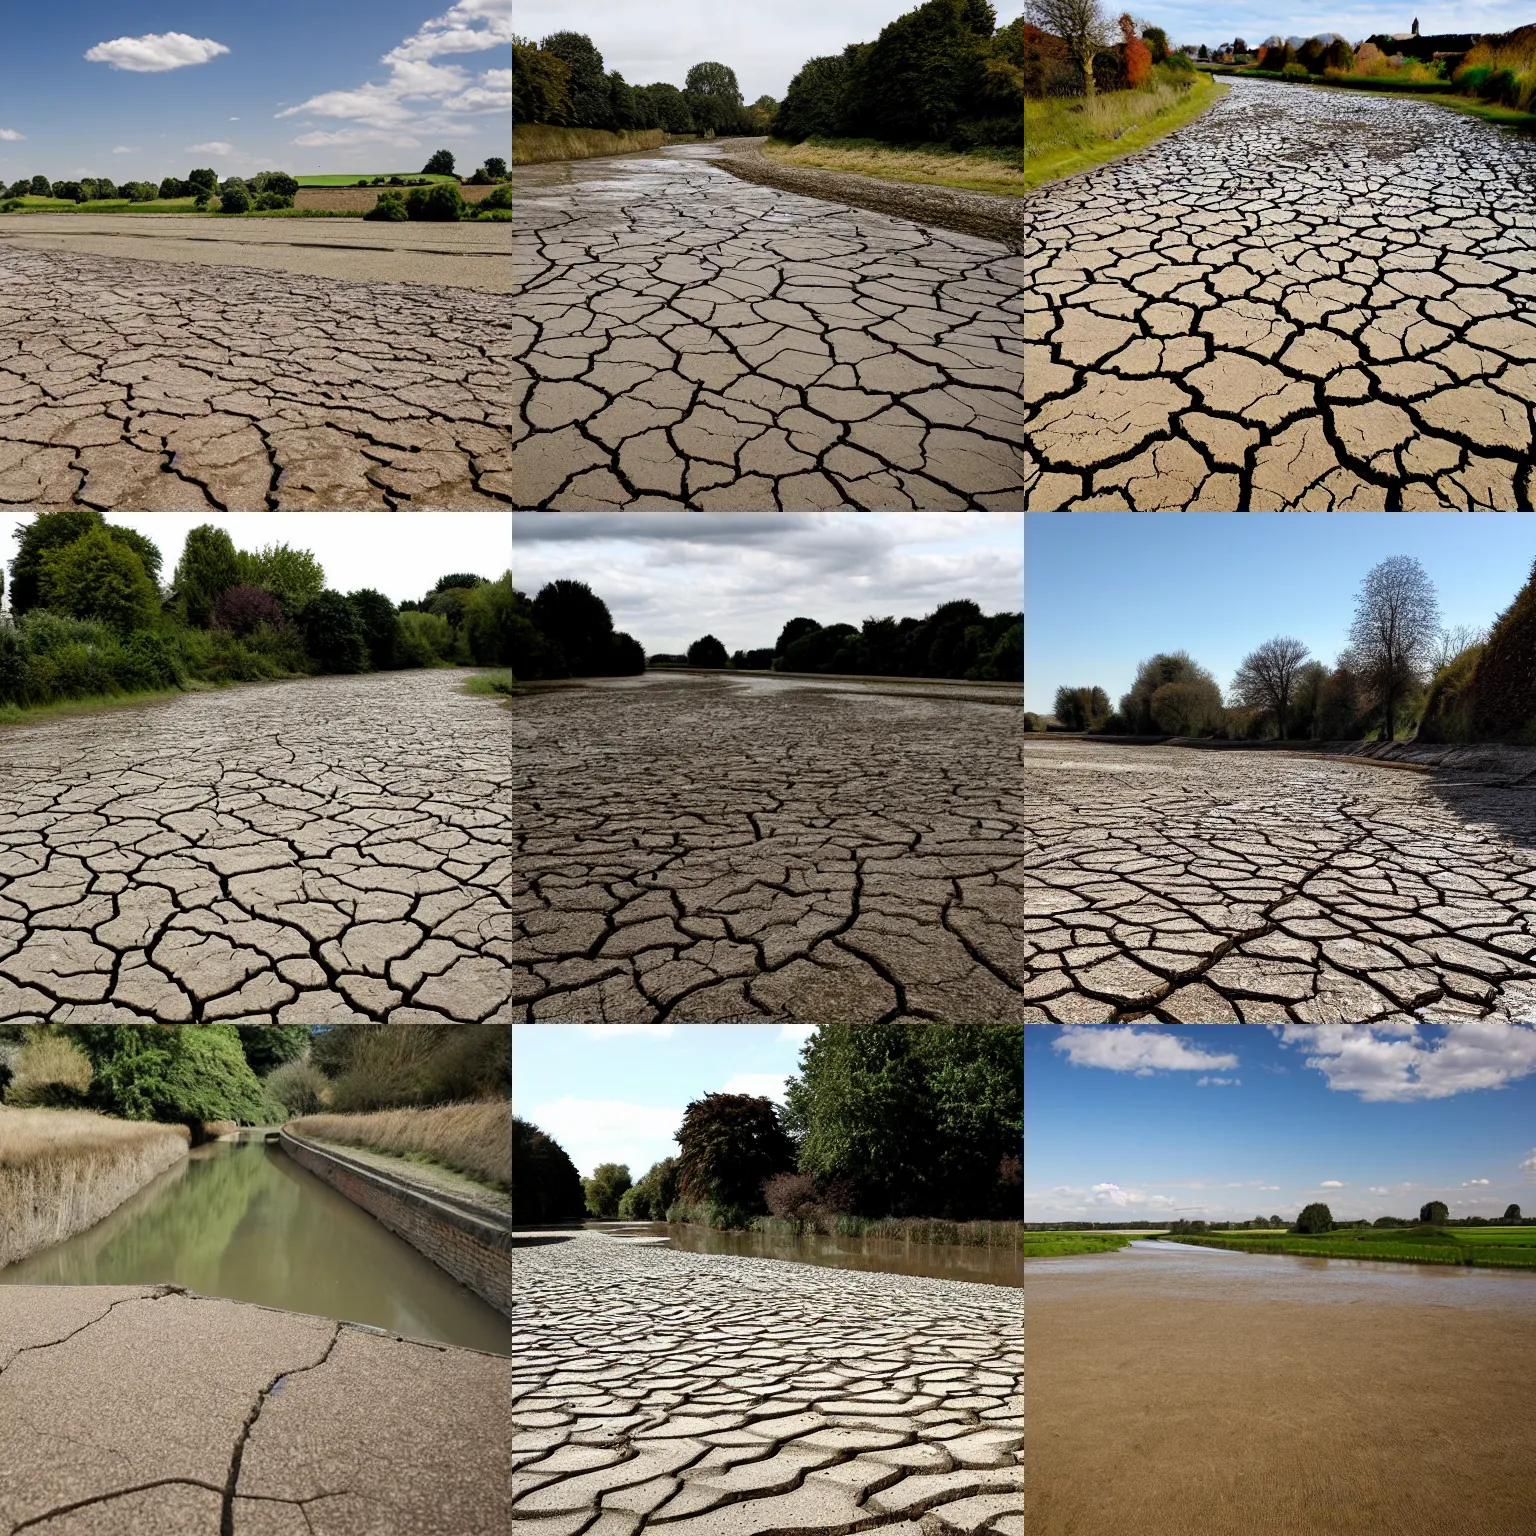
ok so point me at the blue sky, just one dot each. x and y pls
(1231, 1121)
(1106, 590)
(1196, 22)
(615, 1093)
(298, 85)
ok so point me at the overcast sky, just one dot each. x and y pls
(765, 42)
(670, 577)
(1220, 21)
(400, 554)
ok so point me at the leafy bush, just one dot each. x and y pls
(1296, 71)
(243, 608)
(51, 1072)
(545, 1184)
(268, 1046)
(267, 201)
(234, 197)
(393, 1066)
(97, 577)
(381, 634)
(334, 635)
(293, 576)
(441, 203)
(181, 1073)
(500, 198)
(300, 1087)
(389, 207)
(425, 639)
(1315, 1218)
(730, 1144)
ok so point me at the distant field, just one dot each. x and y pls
(1055, 1245)
(353, 177)
(1501, 1247)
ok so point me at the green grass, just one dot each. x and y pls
(24, 714)
(1065, 135)
(1504, 1248)
(993, 168)
(352, 178)
(489, 682)
(1055, 1245)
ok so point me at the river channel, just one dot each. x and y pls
(244, 1221)
(939, 1261)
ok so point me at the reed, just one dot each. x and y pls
(473, 1139)
(62, 1170)
(534, 143)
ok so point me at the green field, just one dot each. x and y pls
(1055, 1245)
(353, 177)
(1500, 1247)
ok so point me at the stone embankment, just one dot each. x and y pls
(150, 1411)
(704, 1395)
(473, 1242)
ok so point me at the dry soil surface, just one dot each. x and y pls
(683, 338)
(712, 849)
(148, 1411)
(1242, 1395)
(1255, 887)
(1306, 299)
(702, 1395)
(300, 852)
(154, 364)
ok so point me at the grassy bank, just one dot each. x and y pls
(472, 1139)
(1055, 1245)
(1065, 135)
(1483, 1247)
(535, 143)
(999, 171)
(489, 682)
(904, 1229)
(62, 1170)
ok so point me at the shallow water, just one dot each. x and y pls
(243, 1220)
(939, 1261)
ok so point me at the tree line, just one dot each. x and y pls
(562, 82)
(903, 1120)
(1318, 1218)
(1401, 670)
(89, 615)
(943, 73)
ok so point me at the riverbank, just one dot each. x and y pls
(1487, 1248)
(1176, 1389)
(150, 1409)
(473, 1141)
(62, 1171)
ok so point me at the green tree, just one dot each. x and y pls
(268, 1046)
(591, 104)
(488, 623)
(1434, 1214)
(496, 167)
(672, 110)
(1081, 709)
(653, 1195)
(96, 577)
(545, 1184)
(47, 531)
(235, 197)
(381, 631)
(333, 634)
(605, 1189)
(569, 615)
(1315, 1218)
(924, 71)
(730, 1144)
(178, 1073)
(205, 180)
(207, 568)
(1512, 1213)
(707, 652)
(440, 163)
(713, 96)
(541, 86)
(621, 98)
(293, 576)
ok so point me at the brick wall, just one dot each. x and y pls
(474, 1246)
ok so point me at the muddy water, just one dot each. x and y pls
(940, 1261)
(243, 1220)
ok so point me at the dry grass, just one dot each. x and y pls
(474, 1139)
(933, 166)
(535, 143)
(62, 1170)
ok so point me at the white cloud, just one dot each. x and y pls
(1529, 1165)
(796, 1034)
(1270, 1188)
(155, 52)
(762, 1085)
(125, 149)
(11, 136)
(1331, 1184)
(418, 95)
(1468, 1183)
(597, 1131)
(1112, 1194)
(1219, 1082)
(1132, 1050)
(214, 147)
(1395, 1064)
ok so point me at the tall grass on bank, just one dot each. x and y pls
(1430, 1252)
(908, 1229)
(994, 170)
(534, 143)
(473, 1139)
(62, 1170)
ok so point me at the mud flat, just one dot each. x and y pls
(1175, 1390)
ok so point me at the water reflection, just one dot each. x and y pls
(939, 1261)
(245, 1221)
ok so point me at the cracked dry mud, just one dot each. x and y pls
(153, 386)
(686, 339)
(303, 852)
(150, 1411)
(704, 1395)
(1307, 299)
(713, 849)
(1235, 887)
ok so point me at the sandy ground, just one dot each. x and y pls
(450, 255)
(1169, 1397)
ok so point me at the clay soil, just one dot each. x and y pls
(1180, 1406)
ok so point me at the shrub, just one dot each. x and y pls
(1185, 709)
(51, 1072)
(390, 206)
(268, 1046)
(97, 577)
(791, 1196)
(243, 608)
(267, 201)
(441, 203)
(234, 197)
(1315, 1218)
(278, 182)
(545, 1184)
(604, 1189)
(501, 197)
(487, 624)
(299, 1086)
(334, 634)
(707, 652)
(635, 1204)
(730, 1144)
(293, 576)
(1295, 71)
(424, 640)
(186, 1073)
(13, 667)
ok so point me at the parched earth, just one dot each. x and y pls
(717, 1396)
(152, 1411)
(713, 849)
(299, 852)
(1307, 299)
(153, 385)
(685, 339)
(1208, 887)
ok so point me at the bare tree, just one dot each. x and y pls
(1450, 643)
(1268, 677)
(1079, 23)
(1397, 618)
